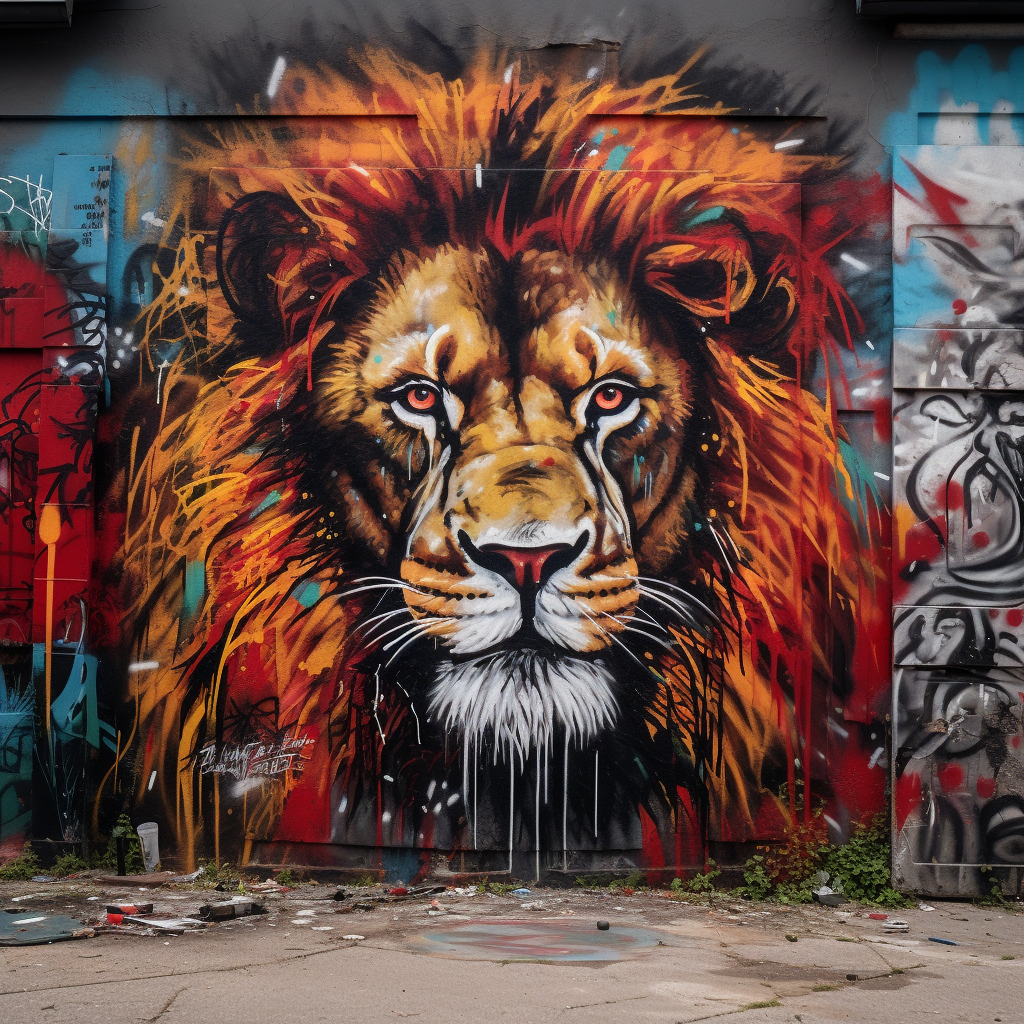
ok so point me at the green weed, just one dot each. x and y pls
(702, 884)
(792, 870)
(68, 864)
(634, 880)
(21, 868)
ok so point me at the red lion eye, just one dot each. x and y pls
(610, 398)
(421, 399)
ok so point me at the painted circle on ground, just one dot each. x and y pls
(535, 940)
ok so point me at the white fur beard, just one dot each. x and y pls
(518, 697)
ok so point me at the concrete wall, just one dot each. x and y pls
(464, 436)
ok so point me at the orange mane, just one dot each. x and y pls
(222, 585)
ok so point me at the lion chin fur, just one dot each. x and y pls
(518, 699)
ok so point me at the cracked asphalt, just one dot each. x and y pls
(726, 958)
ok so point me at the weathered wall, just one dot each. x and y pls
(460, 438)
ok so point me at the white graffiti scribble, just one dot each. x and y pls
(255, 760)
(35, 204)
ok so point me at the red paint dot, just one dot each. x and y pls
(950, 776)
(986, 787)
(980, 539)
(549, 461)
(1014, 617)
(993, 614)
(954, 496)
(959, 307)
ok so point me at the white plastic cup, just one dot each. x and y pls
(149, 837)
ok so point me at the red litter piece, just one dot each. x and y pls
(879, 917)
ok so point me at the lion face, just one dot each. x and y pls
(526, 423)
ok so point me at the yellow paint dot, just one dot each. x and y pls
(321, 519)
(712, 514)
(703, 447)
(648, 656)
(331, 514)
(304, 494)
(732, 504)
(714, 437)
(302, 666)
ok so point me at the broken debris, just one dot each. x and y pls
(25, 928)
(239, 906)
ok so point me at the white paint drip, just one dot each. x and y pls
(565, 807)
(152, 780)
(275, 77)
(852, 261)
(511, 807)
(789, 143)
(143, 666)
(536, 820)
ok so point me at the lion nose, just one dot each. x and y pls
(524, 567)
(530, 565)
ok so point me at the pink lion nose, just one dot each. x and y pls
(527, 563)
(527, 569)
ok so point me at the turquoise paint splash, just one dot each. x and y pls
(617, 157)
(195, 588)
(268, 502)
(307, 594)
(863, 483)
(705, 216)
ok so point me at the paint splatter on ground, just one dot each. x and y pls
(535, 940)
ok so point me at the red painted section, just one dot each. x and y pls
(950, 776)
(907, 797)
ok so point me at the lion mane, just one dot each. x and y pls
(239, 596)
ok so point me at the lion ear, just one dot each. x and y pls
(255, 237)
(711, 280)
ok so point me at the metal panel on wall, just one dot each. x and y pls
(958, 479)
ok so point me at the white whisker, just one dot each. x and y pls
(382, 586)
(415, 635)
(684, 614)
(676, 592)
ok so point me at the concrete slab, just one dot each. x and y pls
(715, 960)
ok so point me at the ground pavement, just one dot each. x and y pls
(458, 955)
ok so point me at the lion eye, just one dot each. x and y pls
(419, 398)
(609, 399)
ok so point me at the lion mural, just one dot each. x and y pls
(476, 498)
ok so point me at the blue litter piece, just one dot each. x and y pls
(32, 928)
